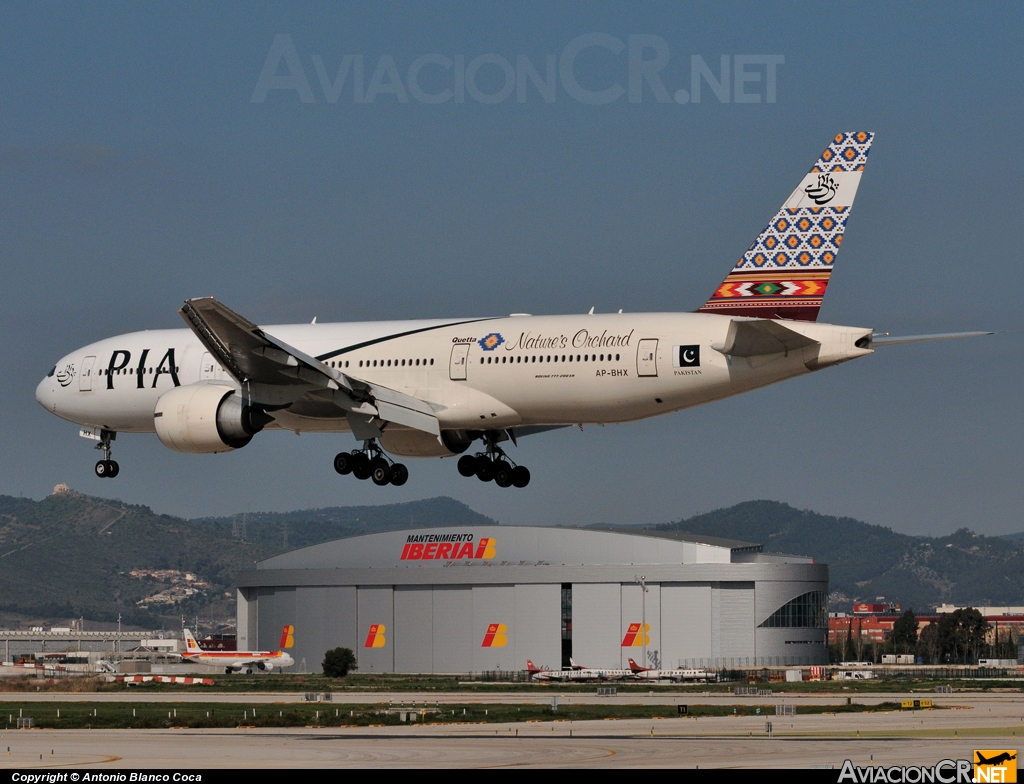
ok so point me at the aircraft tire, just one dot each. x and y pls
(484, 469)
(380, 472)
(399, 474)
(102, 470)
(227, 670)
(343, 463)
(361, 467)
(114, 468)
(503, 474)
(467, 465)
(520, 476)
(248, 671)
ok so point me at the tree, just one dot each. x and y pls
(338, 661)
(928, 644)
(961, 635)
(904, 632)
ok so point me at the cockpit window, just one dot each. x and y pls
(52, 371)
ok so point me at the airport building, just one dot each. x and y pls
(459, 600)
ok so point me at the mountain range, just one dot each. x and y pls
(72, 555)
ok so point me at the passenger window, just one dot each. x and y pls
(431, 360)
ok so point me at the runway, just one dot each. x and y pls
(531, 697)
(886, 738)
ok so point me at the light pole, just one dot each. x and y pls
(642, 579)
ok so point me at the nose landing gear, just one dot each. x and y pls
(494, 464)
(106, 468)
(371, 463)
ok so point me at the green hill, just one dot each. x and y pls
(71, 555)
(870, 561)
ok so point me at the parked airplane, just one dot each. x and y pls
(434, 388)
(575, 673)
(648, 674)
(236, 661)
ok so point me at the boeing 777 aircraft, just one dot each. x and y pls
(434, 388)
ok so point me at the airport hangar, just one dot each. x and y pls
(475, 599)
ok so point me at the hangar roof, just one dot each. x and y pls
(514, 545)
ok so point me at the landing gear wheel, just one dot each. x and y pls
(248, 671)
(343, 463)
(361, 465)
(380, 471)
(101, 469)
(112, 468)
(484, 469)
(399, 474)
(520, 476)
(503, 474)
(467, 465)
(227, 670)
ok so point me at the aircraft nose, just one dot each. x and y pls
(45, 393)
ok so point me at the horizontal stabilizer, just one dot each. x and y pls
(759, 337)
(884, 339)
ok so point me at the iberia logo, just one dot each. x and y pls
(454, 547)
(995, 765)
(495, 637)
(376, 639)
(288, 637)
(634, 639)
(491, 342)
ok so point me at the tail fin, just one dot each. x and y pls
(636, 667)
(191, 646)
(531, 667)
(287, 637)
(785, 272)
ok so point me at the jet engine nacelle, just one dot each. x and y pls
(416, 443)
(203, 418)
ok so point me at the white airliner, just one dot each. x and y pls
(433, 388)
(575, 673)
(648, 674)
(235, 661)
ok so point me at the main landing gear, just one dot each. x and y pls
(495, 465)
(370, 462)
(106, 468)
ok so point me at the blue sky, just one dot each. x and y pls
(136, 170)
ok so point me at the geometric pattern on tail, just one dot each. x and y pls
(785, 271)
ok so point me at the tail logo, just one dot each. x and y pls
(376, 638)
(495, 636)
(823, 191)
(634, 639)
(287, 637)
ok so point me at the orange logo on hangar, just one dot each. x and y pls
(447, 547)
(496, 636)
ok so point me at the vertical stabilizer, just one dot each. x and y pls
(786, 270)
(191, 646)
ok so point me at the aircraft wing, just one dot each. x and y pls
(251, 355)
(753, 337)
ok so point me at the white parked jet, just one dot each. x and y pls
(433, 388)
(648, 674)
(576, 672)
(236, 661)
